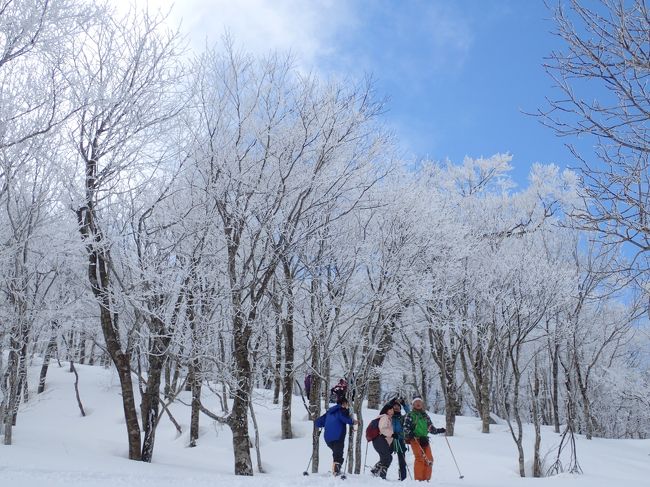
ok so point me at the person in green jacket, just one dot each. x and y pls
(417, 427)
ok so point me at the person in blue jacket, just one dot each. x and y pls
(335, 422)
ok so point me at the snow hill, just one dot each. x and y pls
(55, 446)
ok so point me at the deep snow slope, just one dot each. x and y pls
(55, 446)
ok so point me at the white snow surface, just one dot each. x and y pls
(55, 446)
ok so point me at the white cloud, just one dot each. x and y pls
(306, 28)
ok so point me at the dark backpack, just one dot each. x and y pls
(372, 431)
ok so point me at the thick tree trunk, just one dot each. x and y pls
(98, 277)
(287, 385)
(555, 386)
(51, 346)
(485, 406)
(537, 461)
(325, 391)
(11, 394)
(239, 415)
(122, 364)
(446, 358)
(224, 386)
(196, 403)
(513, 408)
(128, 404)
(278, 364)
(374, 390)
(82, 347)
(358, 464)
(91, 354)
(314, 403)
(451, 410)
(167, 373)
(476, 360)
(151, 398)
(258, 452)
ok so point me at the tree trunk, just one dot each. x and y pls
(224, 386)
(278, 365)
(258, 452)
(128, 404)
(196, 403)
(485, 406)
(239, 415)
(98, 276)
(358, 402)
(51, 346)
(537, 462)
(555, 393)
(11, 397)
(374, 390)
(479, 377)
(326, 381)
(446, 358)
(513, 409)
(314, 403)
(82, 347)
(287, 389)
(151, 398)
(91, 354)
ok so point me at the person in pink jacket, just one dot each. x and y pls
(383, 444)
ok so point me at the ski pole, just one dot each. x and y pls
(400, 451)
(365, 459)
(461, 476)
(306, 472)
(424, 455)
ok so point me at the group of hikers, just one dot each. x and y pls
(392, 432)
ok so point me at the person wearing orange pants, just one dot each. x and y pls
(423, 460)
(417, 427)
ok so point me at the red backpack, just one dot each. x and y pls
(372, 431)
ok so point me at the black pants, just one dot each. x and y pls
(402, 465)
(337, 450)
(384, 449)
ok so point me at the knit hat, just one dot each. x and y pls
(416, 398)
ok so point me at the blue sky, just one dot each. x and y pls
(458, 74)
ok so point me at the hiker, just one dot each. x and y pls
(399, 445)
(417, 427)
(382, 443)
(334, 421)
(339, 391)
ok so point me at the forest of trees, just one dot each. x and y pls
(222, 220)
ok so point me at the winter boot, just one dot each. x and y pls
(375, 470)
(382, 471)
(336, 469)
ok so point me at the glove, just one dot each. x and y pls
(424, 441)
(440, 431)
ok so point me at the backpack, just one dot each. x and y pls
(420, 426)
(372, 431)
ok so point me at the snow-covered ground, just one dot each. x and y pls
(55, 446)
